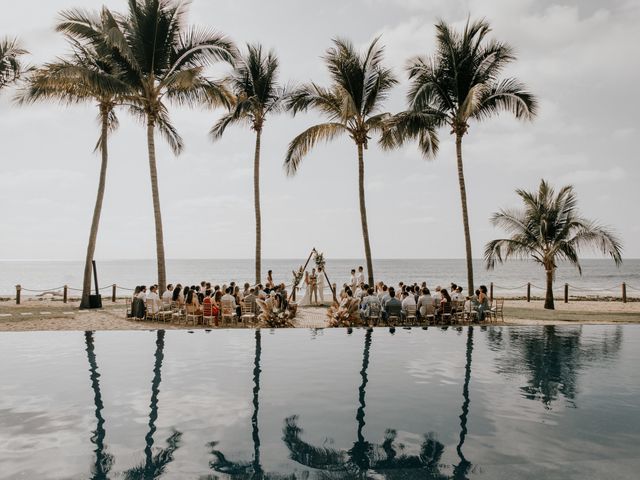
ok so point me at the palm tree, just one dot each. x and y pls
(88, 75)
(352, 104)
(11, 68)
(549, 228)
(459, 83)
(161, 60)
(256, 94)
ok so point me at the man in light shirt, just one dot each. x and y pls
(360, 275)
(153, 300)
(407, 300)
(437, 296)
(167, 295)
(353, 283)
(457, 295)
(227, 297)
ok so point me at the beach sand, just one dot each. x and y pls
(48, 315)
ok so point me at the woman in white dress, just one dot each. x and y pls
(321, 284)
(306, 300)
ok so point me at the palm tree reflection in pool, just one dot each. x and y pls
(154, 465)
(252, 469)
(104, 460)
(365, 457)
(552, 358)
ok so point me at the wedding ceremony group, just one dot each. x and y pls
(145, 60)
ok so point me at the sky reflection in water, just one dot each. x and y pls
(497, 402)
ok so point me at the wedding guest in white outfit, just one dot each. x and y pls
(321, 284)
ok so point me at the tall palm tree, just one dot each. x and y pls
(161, 60)
(352, 104)
(11, 67)
(87, 75)
(460, 83)
(549, 228)
(256, 94)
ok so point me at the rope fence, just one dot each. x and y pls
(563, 291)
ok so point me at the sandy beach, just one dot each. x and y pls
(47, 315)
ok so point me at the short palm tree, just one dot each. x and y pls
(459, 83)
(11, 67)
(549, 228)
(88, 75)
(352, 104)
(256, 95)
(161, 60)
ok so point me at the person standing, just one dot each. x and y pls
(352, 281)
(269, 283)
(360, 276)
(313, 285)
(321, 284)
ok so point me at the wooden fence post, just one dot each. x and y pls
(528, 292)
(491, 292)
(18, 289)
(113, 293)
(624, 292)
(566, 293)
(65, 294)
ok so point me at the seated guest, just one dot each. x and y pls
(199, 293)
(209, 309)
(437, 296)
(250, 299)
(183, 295)
(208, 290)
(457, 294)
(367, 301)
(392, 304)
(384, 296)
(228, 298)
(444, 306)
(423, 301)
(407, 300)
(167, 295)
(153, 300)
(175, 296)
(192, 303)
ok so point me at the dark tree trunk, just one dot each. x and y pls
(548, 299)
(363, 214)
(465, 214)
(157, 214)
(256, 199)
(97, 209)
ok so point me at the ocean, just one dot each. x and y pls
(599, 277)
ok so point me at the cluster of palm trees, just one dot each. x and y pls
(145, 59)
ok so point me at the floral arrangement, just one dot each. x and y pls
(320, 261)
(345, 315)
(297, 276)
(272, 316)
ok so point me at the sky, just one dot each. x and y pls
(579, 57)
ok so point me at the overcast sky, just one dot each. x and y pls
(579, 57)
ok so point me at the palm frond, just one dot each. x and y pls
(304, 142)
(508, 95)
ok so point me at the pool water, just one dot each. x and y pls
(485, 403)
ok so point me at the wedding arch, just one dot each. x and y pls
(298, 275)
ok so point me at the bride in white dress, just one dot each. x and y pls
(306, 300)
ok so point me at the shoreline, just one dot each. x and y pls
(47, 315)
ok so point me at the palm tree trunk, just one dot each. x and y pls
(461, 470)
(155, 391)
(363, 214)
(255, 434)
(256, 199)
(162, 274)
(465, 213)
(548, 299)
(97, 209)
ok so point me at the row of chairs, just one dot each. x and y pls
(227, 316)
(455, 312)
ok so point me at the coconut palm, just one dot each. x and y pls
(11, 68)
(161, 60)
(87, 75)
(256, 95)
(352, 105)
(549, 228)
(460, 83)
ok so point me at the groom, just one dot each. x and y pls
(313, 285)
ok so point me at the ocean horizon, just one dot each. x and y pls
(599, 276)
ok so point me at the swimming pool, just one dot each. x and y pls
(494, 402)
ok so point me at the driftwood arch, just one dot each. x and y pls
(298, 278)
